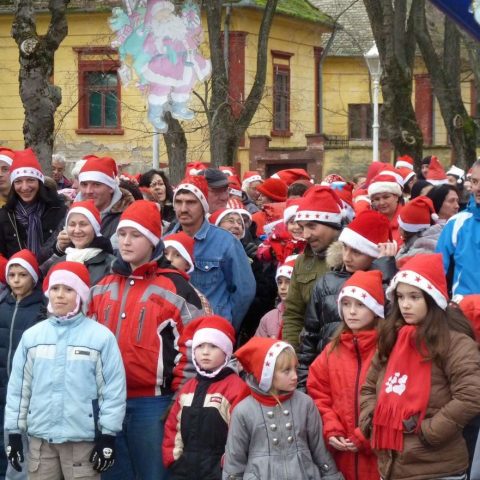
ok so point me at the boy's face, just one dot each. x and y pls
(355, 260)
(177, 261)
(283, 283)
(20, 282)
(63, 299)
(209, 357)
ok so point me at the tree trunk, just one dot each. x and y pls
(176, 143)
(473, 50)
(40, 98)
(445, 77)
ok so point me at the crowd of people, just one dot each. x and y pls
(238, 328)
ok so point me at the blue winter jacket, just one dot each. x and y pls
(63, 369)
(459, 242)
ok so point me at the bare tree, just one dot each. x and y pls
(40, 98)
(176, 143)
(473, 50)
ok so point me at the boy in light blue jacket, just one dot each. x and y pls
(67, 387)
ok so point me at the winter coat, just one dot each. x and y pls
(395, 227)
(423, 242)
(279, 442)
(197, 425)
(271, 323)
(334, 382)
(439, 450)
(308, 267)
(147, 310)
(67, 380)
(322, 317)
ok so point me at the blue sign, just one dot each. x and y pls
(462, 13)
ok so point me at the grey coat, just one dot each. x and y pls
(277, 442)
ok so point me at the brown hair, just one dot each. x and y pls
(343, 327)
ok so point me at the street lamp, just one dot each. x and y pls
(373, 63)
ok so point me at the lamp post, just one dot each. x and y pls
(373, 63)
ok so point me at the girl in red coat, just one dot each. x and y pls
(336, 376)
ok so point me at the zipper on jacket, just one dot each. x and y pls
(140, 324)
(357, 395)
(9, 355)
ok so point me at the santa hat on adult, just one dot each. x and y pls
(366, 287)
(197, 185)
(26, 259)
(26, 164)
(145, 217)
(320, 204)
(286, 268)
(394, 173)
(102, 170)
(417, 215)
(229, 171)
(373, 170)
(455, 171)
(3, 265)
(332, 178)
(90, 211)
(425, 272)
(406, 173)
(291, 208)
(215, 330)
(192, 168)
(184, 245)
(250, 177)
(218, 215)
(366, 231)
(7, 155)
(234, 186)
(405, 161)
(361, 201)
(72, 274)
(291, 175)
(436, 174)
(384, 183)
(258, 357)
(275, 189)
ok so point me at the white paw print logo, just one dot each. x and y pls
(396, 383)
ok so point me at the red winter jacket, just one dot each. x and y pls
(147, 310)
(334, 382)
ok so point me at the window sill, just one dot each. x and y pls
(99, 131)
(278, 133)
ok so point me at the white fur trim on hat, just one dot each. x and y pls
(68, 278)
(385, 187)
(390, 173)
(416, 280)
(234, 191)
(23, 263)
(249, 180)
(362, 296)
(412, 227)
(100, 177)
(443, 181)
(403, 164)
(284, 271)
(144, 231)
(354, 240)
(196, 191)
(269, 364)
(182, 251)
(26, 172)
(453, 170)
(90, 217)
(289, 212)
(215, 337)
(315, 216)
(5, 158)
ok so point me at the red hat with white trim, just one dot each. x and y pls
(229, 171)
(26, 164)
(291, 175)
(145, 217)
(393, 172)
(7, 155)
(26, 259)
(455, 171)
(250, 177)
(425, 272)
(366, 231)
(193, 168)
(436, 174)
(406, 174)
(417, 215)
(274, 189)
(184, 245)
(102, 170)
(197, 185)
(218, 215)
(291, 208)
(384, 183)
(88, 209)
(366, 287)
(234, 186)
(72, 274)
(286, 268)
(320, 204)
(405, 161)
(259, 356)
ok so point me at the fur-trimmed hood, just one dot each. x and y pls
(334, 258)
(125, 200)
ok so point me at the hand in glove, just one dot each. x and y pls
(103, 454)
(251, 249)
(15, 451)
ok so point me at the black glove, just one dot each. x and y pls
(251, 249)
(15, 451)
(103, 454)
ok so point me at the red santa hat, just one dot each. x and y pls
(102, 170)
(361, 200)
(286, 268)
(7, 155)
(250, 177)
(291, 175)
(3, 266)
(425, 272)
(193, 168)
(406, 173)
(229, 171)
(329, 179)
(90, 211)
(26, 164)
(366, 231)
(198, 186)
(320, 204)
(417, 215)
(405, 161)
(72, 274)
(393, 172)
(145, 217)
(184, 245)
(274, 188)
(234, 186)
(26, 259)
(384, 183)
(291, 208)
(218, 215)
(259, 356)
(366, 287)
(436, 174)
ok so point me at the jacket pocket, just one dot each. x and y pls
(208, 273)
(305, 278)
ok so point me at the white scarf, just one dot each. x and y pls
(81, 255)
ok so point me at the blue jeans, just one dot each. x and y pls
(139, 444)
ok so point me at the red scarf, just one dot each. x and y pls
(268, 400)
(405, 392)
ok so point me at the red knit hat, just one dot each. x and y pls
(26, 259)
(26, 164)
(291, 175)
(286, 268)
(320, 204)
(250, 177)
(90, 211)
(425, 272)
(417, 215)
(436, 174)
(7, 155)
(366, 287)
(366, 231)
(385, 183)
(3, 265)
(274, 189)
(144, 216)
(198, 186)
(72, 274)
(103, 170)
(192, 168)
(258, 357)
(405, 161)
(184, 244)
